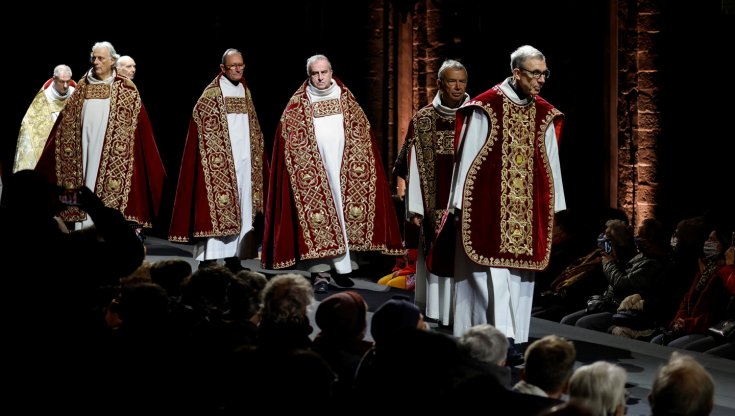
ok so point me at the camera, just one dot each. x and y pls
(70, 197)
(605, 243)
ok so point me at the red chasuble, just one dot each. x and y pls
(301, 220)
(131, 173)
(207, 202)
(508, 195)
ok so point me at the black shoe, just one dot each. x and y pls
(342, 280)
(321, 285)
(514, 357)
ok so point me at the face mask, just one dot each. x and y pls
(711, 248)
(674, 242)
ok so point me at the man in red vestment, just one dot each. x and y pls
(328, 191)
(221, 182)
(103, 139)
(506, 187)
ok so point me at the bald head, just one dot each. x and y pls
(126, 66)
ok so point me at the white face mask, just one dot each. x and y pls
(711, 248)
(674, 242)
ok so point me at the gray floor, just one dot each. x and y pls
(640, 359)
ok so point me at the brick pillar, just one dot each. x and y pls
(639, 115)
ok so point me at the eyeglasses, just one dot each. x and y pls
(237, 66)
(537, 74)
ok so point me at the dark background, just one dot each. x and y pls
(178, 57)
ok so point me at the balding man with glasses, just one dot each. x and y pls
(220, 189)
(506, 187)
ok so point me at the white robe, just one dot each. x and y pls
(330, 138)
(499, 296)
(95, 115)
(239, 132)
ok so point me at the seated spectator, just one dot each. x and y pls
(706, 302)
(484, 350)
(342, 320)
(170, 274)
(601, 387)
(682, 387)
(640, 275)
(67, 269)
(568, 243)
(549, 365)
(571, 289)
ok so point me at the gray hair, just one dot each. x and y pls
(523, 53)
(485, 343)
(600, 385)
(121, 59)
(682, 387)
(451, 64)
(61, 70)
(313, 59)
(285, 298)
(227, 52)
(109, 47)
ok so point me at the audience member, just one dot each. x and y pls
(706, 302)
(682, 387)
(600, 386)
(549, 363)
(583, 278)
(342, 321)
(640, 275)
(484, 350)
(49, 315)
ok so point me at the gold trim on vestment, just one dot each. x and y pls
(97, 91)
(35, 129)
(315, 206)
(236, 105)
(523, 138)
(326, 108)
(113, 182)
(218, 165)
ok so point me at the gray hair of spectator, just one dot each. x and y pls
(109, 47)
(285, 298)
(682, 387)
(485, 343)
(550, 362)
(227, 52)
(451, 64)
(61, 70)
(523, 53)
(600, 385)
(315, 58)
